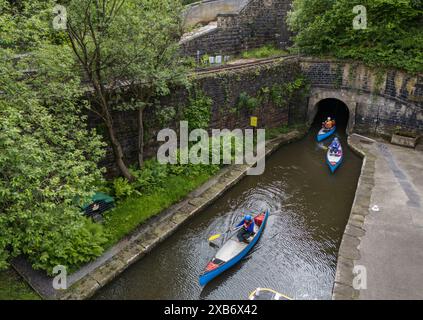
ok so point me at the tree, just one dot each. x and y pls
(48, 157)
(126, 46)
(48, 161)
(393, 36)
(26, 24)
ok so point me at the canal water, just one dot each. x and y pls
(297, 252)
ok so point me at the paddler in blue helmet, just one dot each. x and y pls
(334, 146)
(247, 228)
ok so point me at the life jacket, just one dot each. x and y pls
(335, 145)
(248, 226)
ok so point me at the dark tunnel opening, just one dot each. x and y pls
(335, 109)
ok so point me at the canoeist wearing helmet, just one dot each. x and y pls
(247, 229)
(334, 146)
(329, 124)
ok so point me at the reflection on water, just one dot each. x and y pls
(297, 252)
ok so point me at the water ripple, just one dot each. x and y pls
(296, 254)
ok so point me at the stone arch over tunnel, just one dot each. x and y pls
(336, 102)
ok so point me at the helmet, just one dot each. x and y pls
(336, 139)
(248, 218)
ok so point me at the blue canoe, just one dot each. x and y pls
(233, 251)
(334, 160)
(324, 134)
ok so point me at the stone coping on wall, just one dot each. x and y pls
(349, 251)
(157, 229)
(207, 29)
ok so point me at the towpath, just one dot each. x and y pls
(386, 232)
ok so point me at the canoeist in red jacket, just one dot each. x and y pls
(329, 124)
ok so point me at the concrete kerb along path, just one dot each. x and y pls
(85, 282)
(381, 254)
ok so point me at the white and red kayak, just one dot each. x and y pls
(334, 160)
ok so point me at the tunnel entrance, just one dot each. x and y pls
(334, 108)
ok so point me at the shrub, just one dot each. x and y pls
(393, 37)
(198, 112)
(247, 102)
(122, 188)
(48, 159)
(266, 51)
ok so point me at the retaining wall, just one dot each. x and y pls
(258, 23)
(380, 101)
(224, 88)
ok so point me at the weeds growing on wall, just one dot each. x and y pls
(247, 102)
(266, 51)
(281, 94)
(198, 110)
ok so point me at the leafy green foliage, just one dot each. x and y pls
(198, 111)
(393, 38)
(27, 24)
(137, 209)
(279, 94)
(247, 102)
(157, 186)
(48, 159)
(165, 115)
(135, 41)
(153, 177)
(61, 237)
(122, 188)
(282, 94)
(266, 51)
(138, 42)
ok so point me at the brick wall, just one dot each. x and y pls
(224, 88)
(379, 102)
(384, 100)
(258, 23)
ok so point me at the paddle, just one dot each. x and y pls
(217, 236)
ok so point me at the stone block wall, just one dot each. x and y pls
(203, 12)
(379, 101)
(224, 88)
(260, 22)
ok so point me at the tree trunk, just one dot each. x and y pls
(118, 152)
(141, 137)
(116, 146)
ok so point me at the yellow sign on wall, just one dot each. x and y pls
(253, 121)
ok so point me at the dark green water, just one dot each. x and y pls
(297, 252)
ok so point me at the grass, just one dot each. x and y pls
(126, 217)
(13, 287)
(130, 213)
(266, 51)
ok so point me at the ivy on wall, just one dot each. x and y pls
(198, 110)
(247, 102)
(165, 115)
(279, 95)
